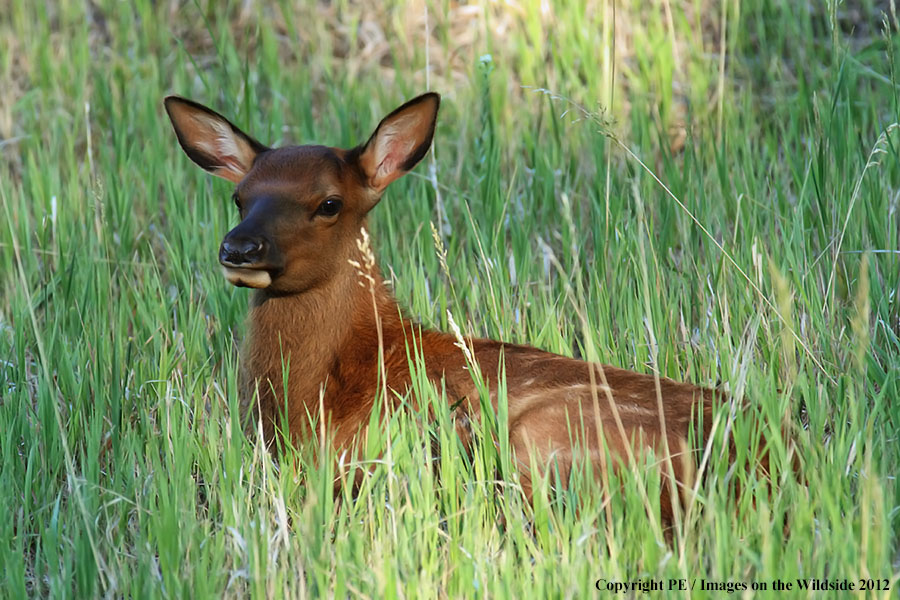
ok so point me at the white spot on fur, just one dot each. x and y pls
(599, 387)
(248, 277)
(635, 409)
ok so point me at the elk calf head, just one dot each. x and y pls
(301, 207)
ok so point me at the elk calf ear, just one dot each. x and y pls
(211, 141)
(400, 141)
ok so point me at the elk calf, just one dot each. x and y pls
(302, 209)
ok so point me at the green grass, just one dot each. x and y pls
(771, 264)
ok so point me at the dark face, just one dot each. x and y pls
(301, 207)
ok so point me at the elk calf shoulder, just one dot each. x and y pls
(301, 210)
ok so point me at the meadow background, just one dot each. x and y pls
(706, 188)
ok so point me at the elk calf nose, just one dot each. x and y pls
(238, 251)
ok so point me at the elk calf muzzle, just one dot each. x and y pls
(243, 261)
(241, 251)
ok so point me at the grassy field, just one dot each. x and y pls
(708, 189)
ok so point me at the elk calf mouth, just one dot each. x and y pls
(252, 278)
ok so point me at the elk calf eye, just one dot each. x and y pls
(330, 207)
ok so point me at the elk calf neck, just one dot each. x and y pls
(302, 209)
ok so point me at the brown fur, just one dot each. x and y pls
(316, 316)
